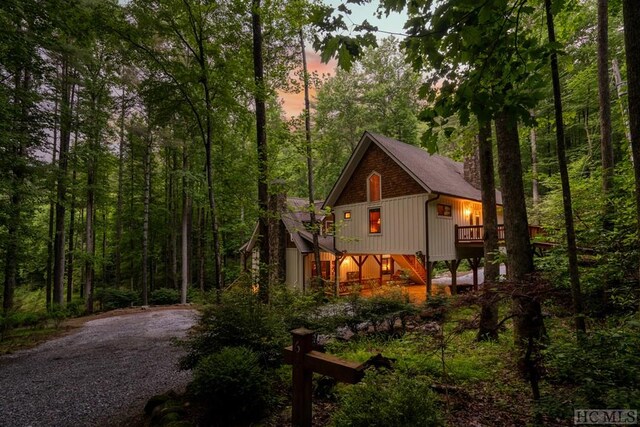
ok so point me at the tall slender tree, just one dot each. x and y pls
(572, 251)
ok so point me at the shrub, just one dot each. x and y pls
(165, 296)
(57, 314)
(604, 372)
(241, 320)
(387, 309)
(388, 400)
(76, 307)
(232, 384)
(111, 298)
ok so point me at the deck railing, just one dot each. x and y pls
(475, 233)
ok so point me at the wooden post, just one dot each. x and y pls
(430, 265)
(302, 378)
(305, 362)
(475, 263)
(453, 268)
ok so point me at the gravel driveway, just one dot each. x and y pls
(100, 375)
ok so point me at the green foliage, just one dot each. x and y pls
(76, 307)
(388, 401)
(111, 298)
(241, 320)
(58, 314)
(233, 385)
(164, 296)
(603, 372)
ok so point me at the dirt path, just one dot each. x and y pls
(99, 375)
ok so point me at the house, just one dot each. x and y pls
(399, 208)
(397, 211)
(293, 228)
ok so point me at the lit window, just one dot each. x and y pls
(375, 222)
(387, 264)
(347, 214)
(374, 187)
(444, 210)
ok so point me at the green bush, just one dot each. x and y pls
(241, 320)
(388, 400)
(58, 314)
(232, 384)
(111, 298)
(76, 307)
(164, 296)
(386, 309)
(603, 372)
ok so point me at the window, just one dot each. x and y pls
(387, 264)
(374, 187)
(375, 221)
(347, 214)
(444, 210)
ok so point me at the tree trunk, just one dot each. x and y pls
(535, 188)
(564, 177)
(90, 236)
(307, 126)
(119, 202)
(185, 227)
(488, 329)
(14, 220)
(201, 251)
(631, 13)
(145, 220)
(528, 323)
(54, 153)
(72, 220)
(66, 106)
(261, 139)
(604, 100)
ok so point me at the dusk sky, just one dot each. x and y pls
(293, 103)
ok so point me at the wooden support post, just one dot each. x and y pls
(453, 268)
(430, 266)
(305, 362)
(302, 378)
(475, 264)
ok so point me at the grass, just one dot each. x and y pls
(24, 338)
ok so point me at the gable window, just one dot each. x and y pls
(444, 210)
(347, 214)
(375, 221)
(373, 184)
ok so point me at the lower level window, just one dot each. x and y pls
(375, 221)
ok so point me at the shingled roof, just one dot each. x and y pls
(435, 173)
(294, 218)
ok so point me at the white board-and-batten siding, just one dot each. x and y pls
(294, 263)
(403, 226)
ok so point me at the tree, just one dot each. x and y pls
(604, 101)
(307, 133)
(261, 144)
(631, 14)
(488, 328)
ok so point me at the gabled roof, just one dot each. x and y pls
(294, 217)
(436, 174)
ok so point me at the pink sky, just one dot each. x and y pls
(293, 103)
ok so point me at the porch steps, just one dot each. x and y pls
(416, 270)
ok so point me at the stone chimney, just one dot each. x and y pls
(472, 168)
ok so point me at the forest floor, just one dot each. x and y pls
(100, 373)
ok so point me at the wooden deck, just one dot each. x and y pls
(473, 234)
